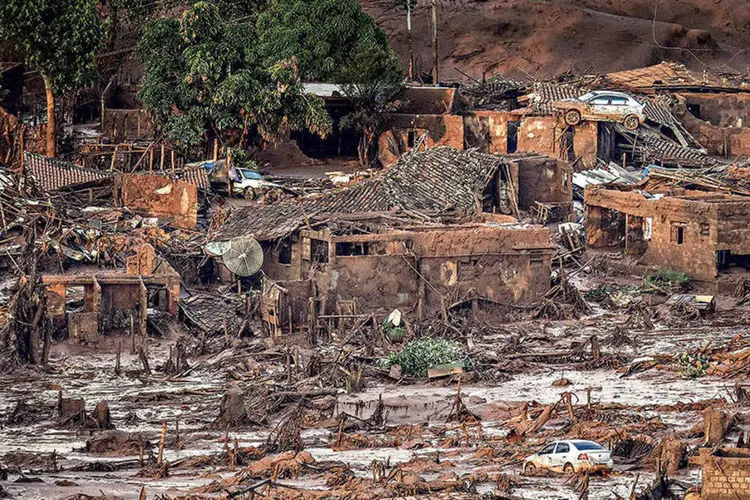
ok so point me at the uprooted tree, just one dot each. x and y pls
(58, 38)
(204, 80)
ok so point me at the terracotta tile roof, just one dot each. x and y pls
(665, 73)
(441, 179)
(52, 174)
(673, 75)
(197, 176)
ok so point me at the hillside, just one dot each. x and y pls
(546, 37)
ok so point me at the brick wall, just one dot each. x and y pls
(725, 478)
(707, 225)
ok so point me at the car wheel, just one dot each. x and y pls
(569, 469)
(529, 469)
(573, 117)
(631, 122)
(249, 194)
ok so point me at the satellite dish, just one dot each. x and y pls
(217, 248)
(244, 257)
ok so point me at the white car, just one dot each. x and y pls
(251, 184)
(569, 457)
(602, 106)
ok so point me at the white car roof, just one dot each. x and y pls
(609, 93)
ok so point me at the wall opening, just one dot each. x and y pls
(319, 251)
(614, 227)
(726, 261)
(513, 136)
(635, 238)
(567, 144)
(349, 249)
(75, 297)
(285, 251)
(410, 139)
(678, 233)
(695, 110)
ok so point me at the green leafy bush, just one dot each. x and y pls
(667, 279)
(424, 353)
(692, 365)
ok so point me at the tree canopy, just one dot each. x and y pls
(324, 35)
(203, 80)
(373, 82)
(59, 38)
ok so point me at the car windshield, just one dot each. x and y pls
(250, 174)
(588, 445)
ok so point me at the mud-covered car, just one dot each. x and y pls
(602, 106)
(569, 457)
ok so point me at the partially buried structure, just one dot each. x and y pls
(674, 221)
(435, 228)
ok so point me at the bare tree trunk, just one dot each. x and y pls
(51, 122)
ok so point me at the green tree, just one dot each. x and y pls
(373, 82)
(324, 35)
(203, 80)
(59, 38)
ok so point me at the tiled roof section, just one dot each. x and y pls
(211, 312)
(197, 176)
(667, 150)
(665, 73)
(52, 174)
(262, 222)
(545, 93)
(487, 94)
(658, 110)
(441, 179)
(654, 149)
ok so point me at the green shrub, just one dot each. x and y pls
(421, 354)
(692, 365)
(667, 279)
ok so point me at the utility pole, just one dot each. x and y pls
(435, 64)
(411, 40)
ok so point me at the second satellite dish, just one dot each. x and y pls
(244, 257)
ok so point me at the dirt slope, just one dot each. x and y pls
(546, 37)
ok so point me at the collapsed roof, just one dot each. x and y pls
(440, 180)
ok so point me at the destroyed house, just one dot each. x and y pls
(149, 195)
(427, 118)
(702, 233)
(429, 211)
(90, 301)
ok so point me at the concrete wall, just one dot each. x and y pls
(544, 179)
(488, 130)
(159, 196)
(543, 134)
(727, 141)
(509, 264)
(120, 125)
(440, 130)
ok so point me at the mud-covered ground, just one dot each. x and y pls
(391, 437)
